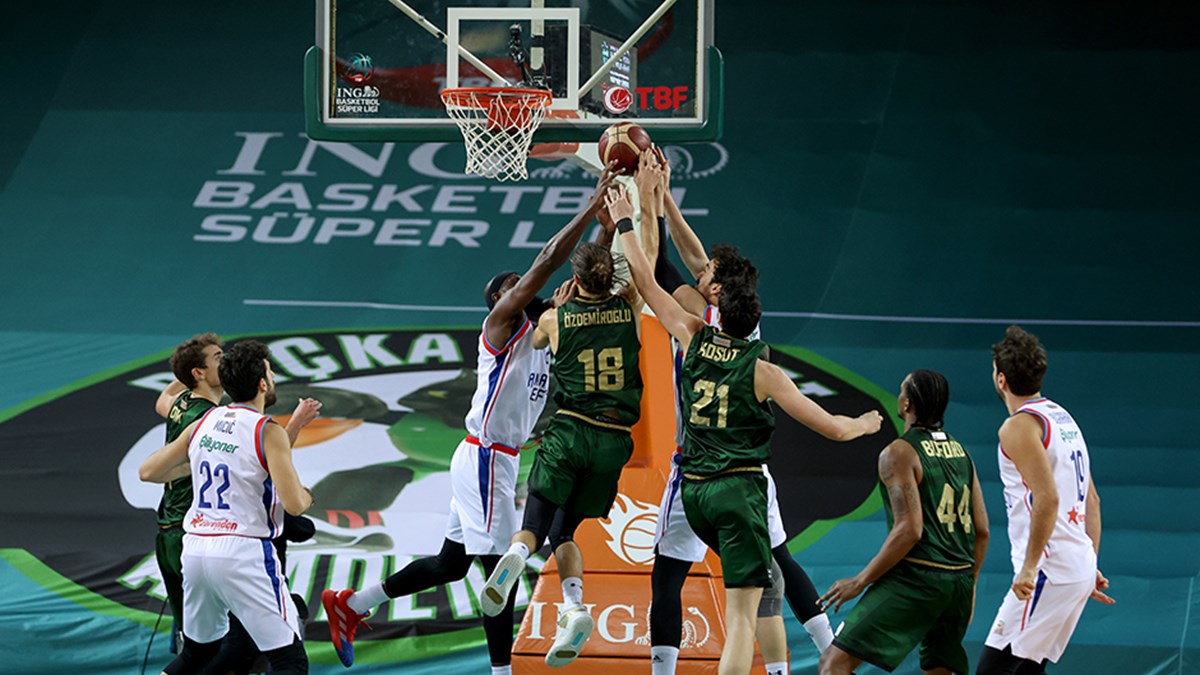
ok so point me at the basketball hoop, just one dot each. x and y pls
(497, 124)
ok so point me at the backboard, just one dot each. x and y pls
(378, 66)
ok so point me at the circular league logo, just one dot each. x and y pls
(617, 99)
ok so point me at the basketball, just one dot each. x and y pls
(624, 143)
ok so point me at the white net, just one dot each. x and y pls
(497, 125)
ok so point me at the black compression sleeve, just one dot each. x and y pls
(665, 272)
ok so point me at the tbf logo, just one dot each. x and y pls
(630, 528)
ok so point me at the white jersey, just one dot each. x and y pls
(510, 393)
(1070, 555)
(232, 492)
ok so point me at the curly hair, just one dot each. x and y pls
(730, 264)
(242, 368)
(1022, 359)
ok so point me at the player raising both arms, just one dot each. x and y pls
(511, 387)
(728, 434)
(923, 578)
(595, 337)
(677, 546)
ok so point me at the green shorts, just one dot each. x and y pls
(911, 605)
(578, 465)
(729, 514)
(168, 550)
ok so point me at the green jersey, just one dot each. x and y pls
(726, 427)
(948, 536)
(596, 366)
(177, 494)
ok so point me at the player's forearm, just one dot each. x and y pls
(297, 500)
(897, 545)
(605, 239)
(981, 545)
(1041, 526)
(1092, 523)
(293, 428)
(558, 249)
(169, 393)
(690, 248)
(158, 467)
(650, 206)
(846, 428)
(639, 265)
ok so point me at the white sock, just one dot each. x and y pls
(368, 598)
(572, 588)
(520, 549)
(662, 660)
(502, 670)
(820, 632)
(777, 668)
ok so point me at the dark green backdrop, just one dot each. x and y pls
(909, 177)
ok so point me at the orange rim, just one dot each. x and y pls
(481, 97)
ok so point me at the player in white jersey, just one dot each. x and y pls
(243, 480)
(1053, 517)
(677, 546)
(513, 381)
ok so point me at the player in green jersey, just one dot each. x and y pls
(195, 390)
(728, 434)
(923, 578)
(595, 336)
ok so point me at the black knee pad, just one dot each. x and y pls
(562, 529)
(289, 660)
(540, 516)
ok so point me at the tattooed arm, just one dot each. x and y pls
(900, 473)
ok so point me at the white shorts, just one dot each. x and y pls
(675, 538)
(1039, 628)
(483, 502)
(239, 575)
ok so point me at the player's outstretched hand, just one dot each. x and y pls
(620, 205)
(1098, 594)
(564, 293)
(664, 170)
(605, 182)
(871, 421)
(307, 410)
(646, 177)
(841, 592)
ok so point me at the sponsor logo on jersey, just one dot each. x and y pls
(212, 445)
(199, 522)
